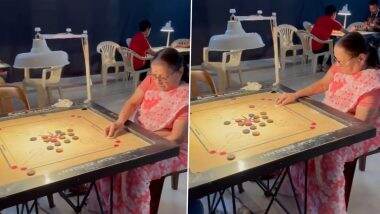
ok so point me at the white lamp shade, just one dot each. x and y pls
(235, 38)
(344, 11)
(168, 27)
(40, 56)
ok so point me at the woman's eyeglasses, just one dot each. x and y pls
(160, 77)
(341, 63)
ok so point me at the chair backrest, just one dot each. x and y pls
(107, 50)
(181, 43)
(233, 58)
(285, 33)
(55, 74)
(357, 25)
(307, 26)
(229, 59)
(306, 39)
(7, 94)
(127, 55)
(201, 76)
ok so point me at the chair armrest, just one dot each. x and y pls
(98, 49)
(141, 57)
(322, 41)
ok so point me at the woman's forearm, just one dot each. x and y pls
(128, 109)
(313, 89)
(170, 135)
(163, 133)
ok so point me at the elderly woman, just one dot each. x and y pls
(352, 85)
(159, 104)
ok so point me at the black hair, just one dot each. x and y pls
(373, 2)
(355, 44)
(330, 10)
(144, 25)
(175, 61)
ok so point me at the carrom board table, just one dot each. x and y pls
(48, 150)
(241, 136)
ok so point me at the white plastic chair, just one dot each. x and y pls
(355, 26)
(107, 49)
(286, 33)
(306, 40)
(44, 85)
(182, 43)
(307, 26)
(231, 61)
(128, 56)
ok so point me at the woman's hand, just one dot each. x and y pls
(113, 128)
(287, 98)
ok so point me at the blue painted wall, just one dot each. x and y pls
(210, 17)
(113, 20)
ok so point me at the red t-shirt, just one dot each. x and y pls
(323, 29)
(140, 45)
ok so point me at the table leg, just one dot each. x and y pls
(233, 200)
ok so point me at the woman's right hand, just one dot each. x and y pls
(287, 98)
(113, 128)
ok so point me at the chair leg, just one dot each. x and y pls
(222, 80)
(42, 96)
(175, 178)
(117, 72)
(155, 188)
(104, 75)
(60, 92)
(228, 77)
(283, 56)
(136, 78)
(49, 95)
(362, 163)
(240, 77)
(294, 55)
(325, 58)
(314, 63)
(50, 199)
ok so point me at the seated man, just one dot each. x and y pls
(323, 28)
(140, 45)
(373, 21)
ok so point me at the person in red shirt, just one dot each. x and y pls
(140, 45)
(323, 29)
